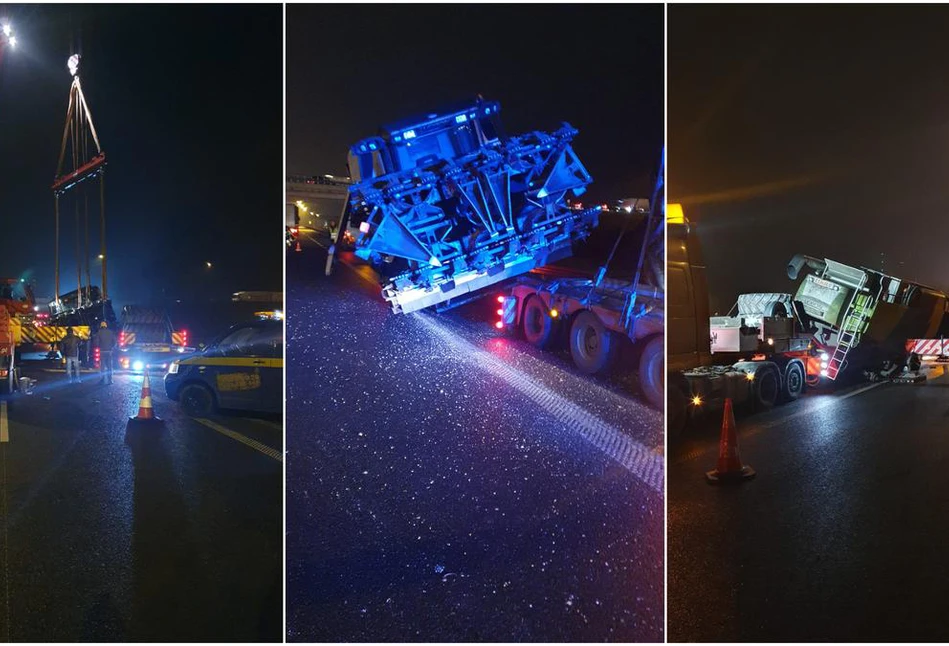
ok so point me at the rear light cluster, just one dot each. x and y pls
(96, 356)
(184, 337)
(500, 322)
(122, 339)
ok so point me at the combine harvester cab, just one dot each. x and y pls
(864, 316)
(447, 205)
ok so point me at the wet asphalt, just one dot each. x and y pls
(840, 537)
(165, 534)
(446, 483)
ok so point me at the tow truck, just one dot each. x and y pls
(447, 204)
(841, 319)
(147, 340)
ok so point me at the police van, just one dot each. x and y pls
(241, 370)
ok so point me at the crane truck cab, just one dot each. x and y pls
(761, 356)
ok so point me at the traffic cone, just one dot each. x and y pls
(145, 411)
(298, 247)
(730, 469)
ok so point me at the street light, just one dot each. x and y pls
(8, 37)
(208, 263)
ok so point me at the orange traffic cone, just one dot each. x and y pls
(298, 247)
(730, 469)
(145, 411)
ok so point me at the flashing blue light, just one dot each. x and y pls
(542, 193)
(461, 118)
(372, 146)
(398, 138)
(363, 148)
(409, 134)
(487, 110)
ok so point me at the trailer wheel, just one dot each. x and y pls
(766, 389)
(591, 343)
(652, 372)
(536, 323)
(793, 382)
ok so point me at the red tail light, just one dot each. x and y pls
(121, 340)
(500, 299)
(499, 325)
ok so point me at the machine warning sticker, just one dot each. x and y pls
(238, 381)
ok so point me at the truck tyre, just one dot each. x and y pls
(652, 370)
(591, 343)
(793, 384)
(536, 323)
(197, 400)
(767, 388)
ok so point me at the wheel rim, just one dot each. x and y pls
(196, 400)
(795, 381)
(589, 341)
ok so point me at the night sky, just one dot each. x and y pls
(187, 101)
(811, 129)
(351, 69)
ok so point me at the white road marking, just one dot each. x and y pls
(822, 405)
(313, 239)
(243, 439)
(642, 462)
(4, 424)
(758, 428)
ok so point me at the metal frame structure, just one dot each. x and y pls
(448, 205)
(85, 165)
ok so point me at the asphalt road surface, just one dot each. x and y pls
(841, 537)
(449, 484)
(167, 534)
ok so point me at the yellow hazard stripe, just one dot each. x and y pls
(50, 333)
(252, 362)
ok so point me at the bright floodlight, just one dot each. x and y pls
(7, 30)
(12, 41)
(73, 64)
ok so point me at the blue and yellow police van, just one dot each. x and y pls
(241, 370)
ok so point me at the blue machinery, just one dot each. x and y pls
(447, 205)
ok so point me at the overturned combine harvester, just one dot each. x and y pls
(447, 205)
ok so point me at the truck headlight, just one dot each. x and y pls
(173, 368)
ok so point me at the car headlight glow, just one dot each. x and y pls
(138, 365)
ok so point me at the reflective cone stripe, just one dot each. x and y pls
(729, 461)
(298, 247)
(730, 469)
(145, 405)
